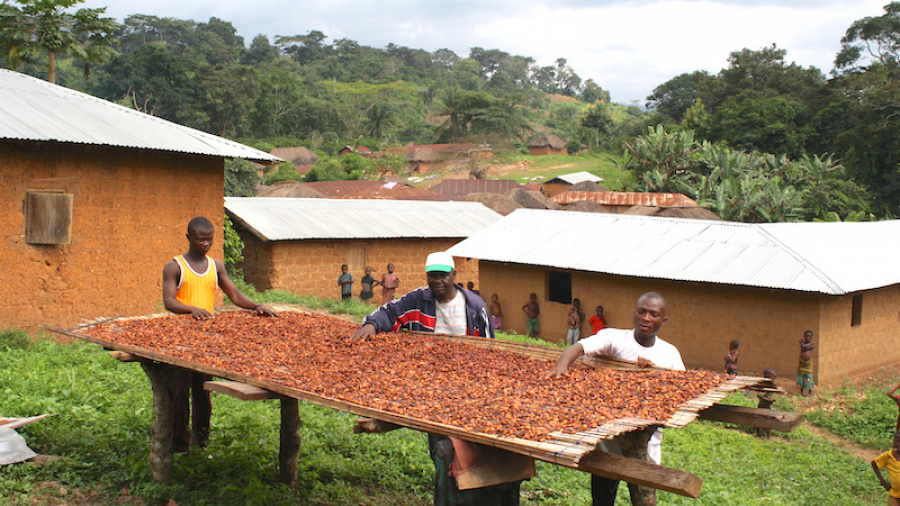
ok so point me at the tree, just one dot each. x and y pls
(45, 26)
(597, 119)
(676, 95)
(260, 51)
(874, 39)
(228, 92)
(241, 178)
(592, 92)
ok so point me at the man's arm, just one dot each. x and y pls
(562, 366)
(171, 273)
(884, 483)
(236, 296)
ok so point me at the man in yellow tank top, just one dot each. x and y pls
(189, 287)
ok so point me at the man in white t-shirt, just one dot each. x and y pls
(639, 345)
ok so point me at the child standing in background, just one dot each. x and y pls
(731, 360)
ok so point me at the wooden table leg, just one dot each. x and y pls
(289, 451)
(162, 379)
(634, 445)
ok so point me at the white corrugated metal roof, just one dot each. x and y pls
(829, 258)
(578, 177)
(285, 219)
(36, 110)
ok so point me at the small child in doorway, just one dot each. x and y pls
(766, 400)
(470, 286)
(496, 312)
(890, 460)
(532, 310)
(598, 321)
(345, 281)
(731, 360)
(805, 368)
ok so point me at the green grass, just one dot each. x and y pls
(102, 416)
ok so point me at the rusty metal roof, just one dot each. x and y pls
(367, 189)
(626, 198)
(36, 110)
(456, 189)
(286, 219)
(828, 258)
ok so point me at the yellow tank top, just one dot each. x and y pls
(198, 290)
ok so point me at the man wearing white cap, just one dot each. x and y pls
(443, 307)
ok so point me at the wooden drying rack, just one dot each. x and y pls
(577, 451)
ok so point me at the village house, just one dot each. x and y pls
(564, 182)
(457, 189)
(425, 159)
(761, 284)
(547, 145)
(670, 205)
(96, 199)
(298, 245)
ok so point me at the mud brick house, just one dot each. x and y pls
(298, 245)
(547, 145)
(95, 199)
(564, 182)
(762, 284)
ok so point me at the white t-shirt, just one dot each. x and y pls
(620, 343)
(451, 317)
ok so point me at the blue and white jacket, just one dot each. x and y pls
(415, 312)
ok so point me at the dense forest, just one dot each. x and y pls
(761, 140)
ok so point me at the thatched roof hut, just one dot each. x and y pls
(298, 155)
(585, 206)
(498, 203)
(291, 189)
(531, 199)
(424, 155)
(588, 186)
(550, 140)
(696, 213)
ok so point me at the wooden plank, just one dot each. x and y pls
(122, 356)
(240, 390)
(373, 426)
(641, 473)
(784, 421)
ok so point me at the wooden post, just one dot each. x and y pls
(162, 380)
(289, 450)
(634, 445)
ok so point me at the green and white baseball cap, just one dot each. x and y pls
(439, 261)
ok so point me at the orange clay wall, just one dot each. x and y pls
(703, 318)
(313, 266)
(130, 213)
(846, 350)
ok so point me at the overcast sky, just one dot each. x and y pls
(627, 46)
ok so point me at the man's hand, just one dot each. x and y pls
(200, 313)
(557, 372)
(644, 363)
(262, 310)
(364, 332)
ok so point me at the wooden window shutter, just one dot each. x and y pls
(48, 217)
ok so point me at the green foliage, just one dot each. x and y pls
(331, 169)
(875, 39)
(233, 246)
(285, 172)
(241, 178)
(13, 339)
(47, 26)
